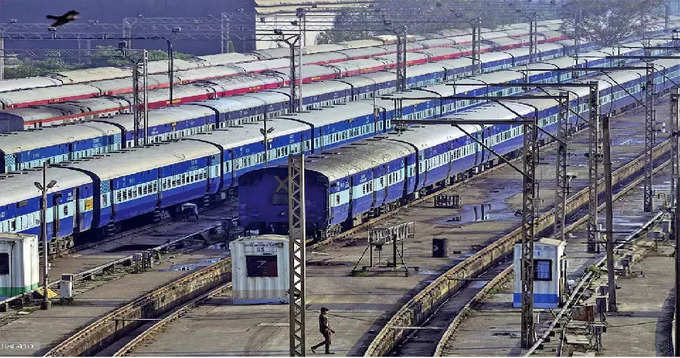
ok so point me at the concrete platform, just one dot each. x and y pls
(642, 325)
(493, 329)
(359, 306)
(32, 332)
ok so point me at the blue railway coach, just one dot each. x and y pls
(154, 179)
(441, 154)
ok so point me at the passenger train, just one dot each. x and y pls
(229, 64)
(70, 96)
(99, 194)
(40, 107)
(347, 185)
(28, 149)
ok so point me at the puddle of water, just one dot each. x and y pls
(428, 272)
(194, 266)
(478, 284)
(132, 247)
(494, 210)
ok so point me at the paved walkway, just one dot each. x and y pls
(493, 328)
(642, 325)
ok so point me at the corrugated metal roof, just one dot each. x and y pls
(45, 137)
(46, 93)
(248, 133)
(28, 82)
(19, 187)
(356, 157)
(131, 161)
(91, 74)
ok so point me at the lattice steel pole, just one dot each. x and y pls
(296, 249)
(2, 58)
(171, 71)
(293, 74)
(529, 198)
(593, 162)
(609, 213)
(145, 92)
(675, 117)
(649, 137)
(532, 38)
(561, 169)
(403, 58)
(224, 32)
(476, 40)
(137, 100)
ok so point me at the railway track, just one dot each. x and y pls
(119, 323)
(447, 338)
(148, 333)
(95, 336)
(127, 261)
(420, 308)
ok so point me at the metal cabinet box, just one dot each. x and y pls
(260, 269)
(550, 268)
(19, 264)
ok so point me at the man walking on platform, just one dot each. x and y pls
(326, 331)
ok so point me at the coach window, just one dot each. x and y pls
(104, 200)
(66, 210)
(337, 198)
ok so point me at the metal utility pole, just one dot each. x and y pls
(675, 117)
(529, 197)
(140, 100)
(296, 250)
(609, 213)
(529, 192)
(593, 163)
(293, 41)
(649, 138)
(301, 44)
(44, 187)
(533, 33)
(561, 168)
(224, 32)
(171, 71)
(476, 45)
(577, 33)
(2, 58)
(401, 59)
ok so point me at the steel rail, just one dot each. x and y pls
(586, 279)
(110, 265)
(413, 312)
(460, 316)
(88, 340)
(177, 313)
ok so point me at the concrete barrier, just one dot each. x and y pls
(120, 322)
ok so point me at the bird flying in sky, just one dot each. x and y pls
(63, 19)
